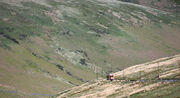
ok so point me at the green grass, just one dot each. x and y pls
(177, 1)
(165, 91)
(22, 60)
(36, 33)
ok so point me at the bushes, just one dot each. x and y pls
(177, 1)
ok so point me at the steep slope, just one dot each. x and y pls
(165, 5)
(50, 45)
(138, 81)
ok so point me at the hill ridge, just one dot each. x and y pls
(120, 88)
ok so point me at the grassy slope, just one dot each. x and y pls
(21, 70)
(165, 5)
(166, 68)
(108, 33)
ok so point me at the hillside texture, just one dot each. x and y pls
(165, 5)
(47, 46)
(139, 81)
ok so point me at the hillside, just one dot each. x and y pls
(165, 5)
(47, 46)
(139, 81)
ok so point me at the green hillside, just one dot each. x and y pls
(47, 46)
(165, 5)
